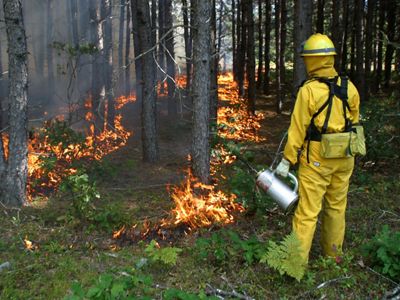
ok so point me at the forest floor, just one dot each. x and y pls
(72, 258)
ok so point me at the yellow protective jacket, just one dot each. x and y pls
(311, 96)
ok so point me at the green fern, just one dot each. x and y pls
(285, 257)
(167, 255)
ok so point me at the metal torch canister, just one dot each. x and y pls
(285, 197)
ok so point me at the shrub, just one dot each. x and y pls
(383, 251)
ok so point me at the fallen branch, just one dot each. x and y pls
(218, 292)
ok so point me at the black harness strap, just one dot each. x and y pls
(313, 134)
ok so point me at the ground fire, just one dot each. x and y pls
(196, 204)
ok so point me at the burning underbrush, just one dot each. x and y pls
(197, 205)
(56, 151)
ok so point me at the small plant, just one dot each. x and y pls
(383, 251)
(83, 194)
(228, 244)
(167, 255)
(175, 294)
(109, 286)
(285, 257)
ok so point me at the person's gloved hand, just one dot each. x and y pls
(283, 168)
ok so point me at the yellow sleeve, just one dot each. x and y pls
(300, 120)
(354, 103)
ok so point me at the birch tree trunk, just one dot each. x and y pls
(201, 89)
(149, 109)
(14, 169)
(302, 30)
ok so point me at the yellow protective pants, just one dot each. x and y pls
(323, 185)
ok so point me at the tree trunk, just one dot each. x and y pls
(108, 65)
(337, 31)
(251, 60)
(213, 67)
(238, 64)
(149, 108)
(267, 55)
(15, 168)
(121, 40)
(381, 28)
(49, 43)
(260, 46)
(128, 50)
(368, 45)
(219, 35)
(360, 76)
(391, 26)
(302, 30)
(242, 48)
(280, 39)
(170, 55)
(188, 49)
(161, 46)
(353, 44)
(74, 22)
(138, 62)
(201, 88)
(343, 51)
(234, 44)
(320, 16)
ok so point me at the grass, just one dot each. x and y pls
(70, 251)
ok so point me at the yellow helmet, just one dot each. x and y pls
(318, 45)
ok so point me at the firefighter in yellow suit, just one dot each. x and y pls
(323, 182)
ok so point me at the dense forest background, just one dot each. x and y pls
(102, 101)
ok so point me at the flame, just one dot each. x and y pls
(200, 205)
(118, 233)
(29, 245)
(42, 178)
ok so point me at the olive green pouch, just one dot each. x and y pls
(335, 145)
(357, 142)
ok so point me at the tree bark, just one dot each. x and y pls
(161, 42)
(359, 14)
(343, 51)
(242, 48)
(213, 67)
(251, 61)
(368, 45)
(128, 49)
(201, 88)
(170, 58)
(260, 46)
(337, 31)
(267, 55)
(379, 56)
(302, 30)
(121, 39)
(188, 48)
(149, 108)
(138, 62)
(108, 65)
(15, 169)
(49, 43)
(234, 44)
(320, 16)
(391, 26)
